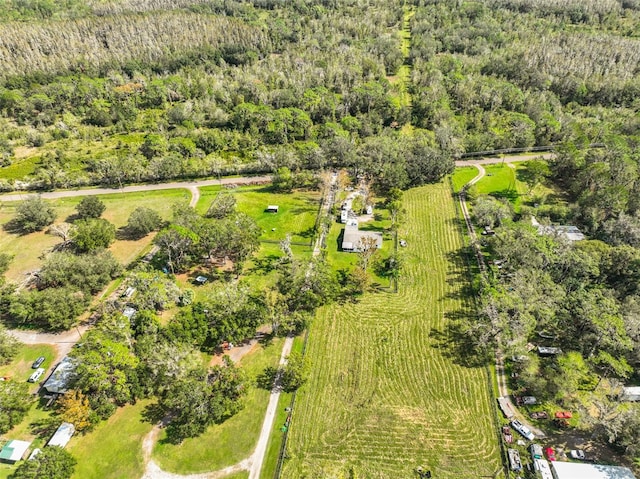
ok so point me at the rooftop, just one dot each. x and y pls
(574, 470)
(58, 381)
(353, 237)
(62, 435)
(14, 450)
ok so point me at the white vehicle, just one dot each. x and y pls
(522, 429)
(36, 375)
(577, 454)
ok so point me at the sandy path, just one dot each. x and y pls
(504, 159)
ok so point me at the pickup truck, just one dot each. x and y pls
(522, 429)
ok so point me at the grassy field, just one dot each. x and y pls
(224, 444)
(297, 213)
(28, 249)
(391, 388)
(113, 450)
(463, 175)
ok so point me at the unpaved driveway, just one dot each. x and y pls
(504, 159)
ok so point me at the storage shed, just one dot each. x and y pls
(272, 209)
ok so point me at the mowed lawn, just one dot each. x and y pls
(296, 215)
(389, 390)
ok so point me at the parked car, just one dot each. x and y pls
(522, 429)
(539, 415)
(38, 362)
(578, 454)
(550, 453)
(36, 375)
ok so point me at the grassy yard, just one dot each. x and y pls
(463, 175)
(297, 213)
(228, 443)
(28, 249)
(113, 450)
(391, 387)
(20, 368)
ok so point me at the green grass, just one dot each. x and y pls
(297, 213)
(228, 443)
(113, 450)
(28, 249)
(20, 368)
(463, 175)
(500, 180)
(390, 387)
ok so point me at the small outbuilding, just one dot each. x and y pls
(129, 312)
(13, 451)
(201, 279)
(63, 435)
(272, 209)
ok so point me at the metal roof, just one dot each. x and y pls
(574, 470)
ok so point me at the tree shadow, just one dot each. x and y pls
(456, 344)
(264, 265)
(44, 427)
(72, 218)
(308, 233)
(509, 194)
(14, 227)
(153, 413)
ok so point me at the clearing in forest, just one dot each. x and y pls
(391, 388)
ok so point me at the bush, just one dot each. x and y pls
(90, 207)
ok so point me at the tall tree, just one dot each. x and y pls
(90, 207)
(33, 214)
(52, 462)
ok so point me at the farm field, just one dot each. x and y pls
(390, 388)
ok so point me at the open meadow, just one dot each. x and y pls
(391, 388)
(28, 249)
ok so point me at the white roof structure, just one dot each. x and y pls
(574, 470)
(14, 450)
(62, 435)
(570, 232)
(60, 377)
(352, 239)
(542, 466)
(630, 393)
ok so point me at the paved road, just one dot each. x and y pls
(188, 185)
(504, 159)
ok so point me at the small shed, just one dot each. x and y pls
(272, 208)
(13, 451)
(201, 279)
(630, 394)
(63, 435)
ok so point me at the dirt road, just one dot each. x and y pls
(188, 185)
